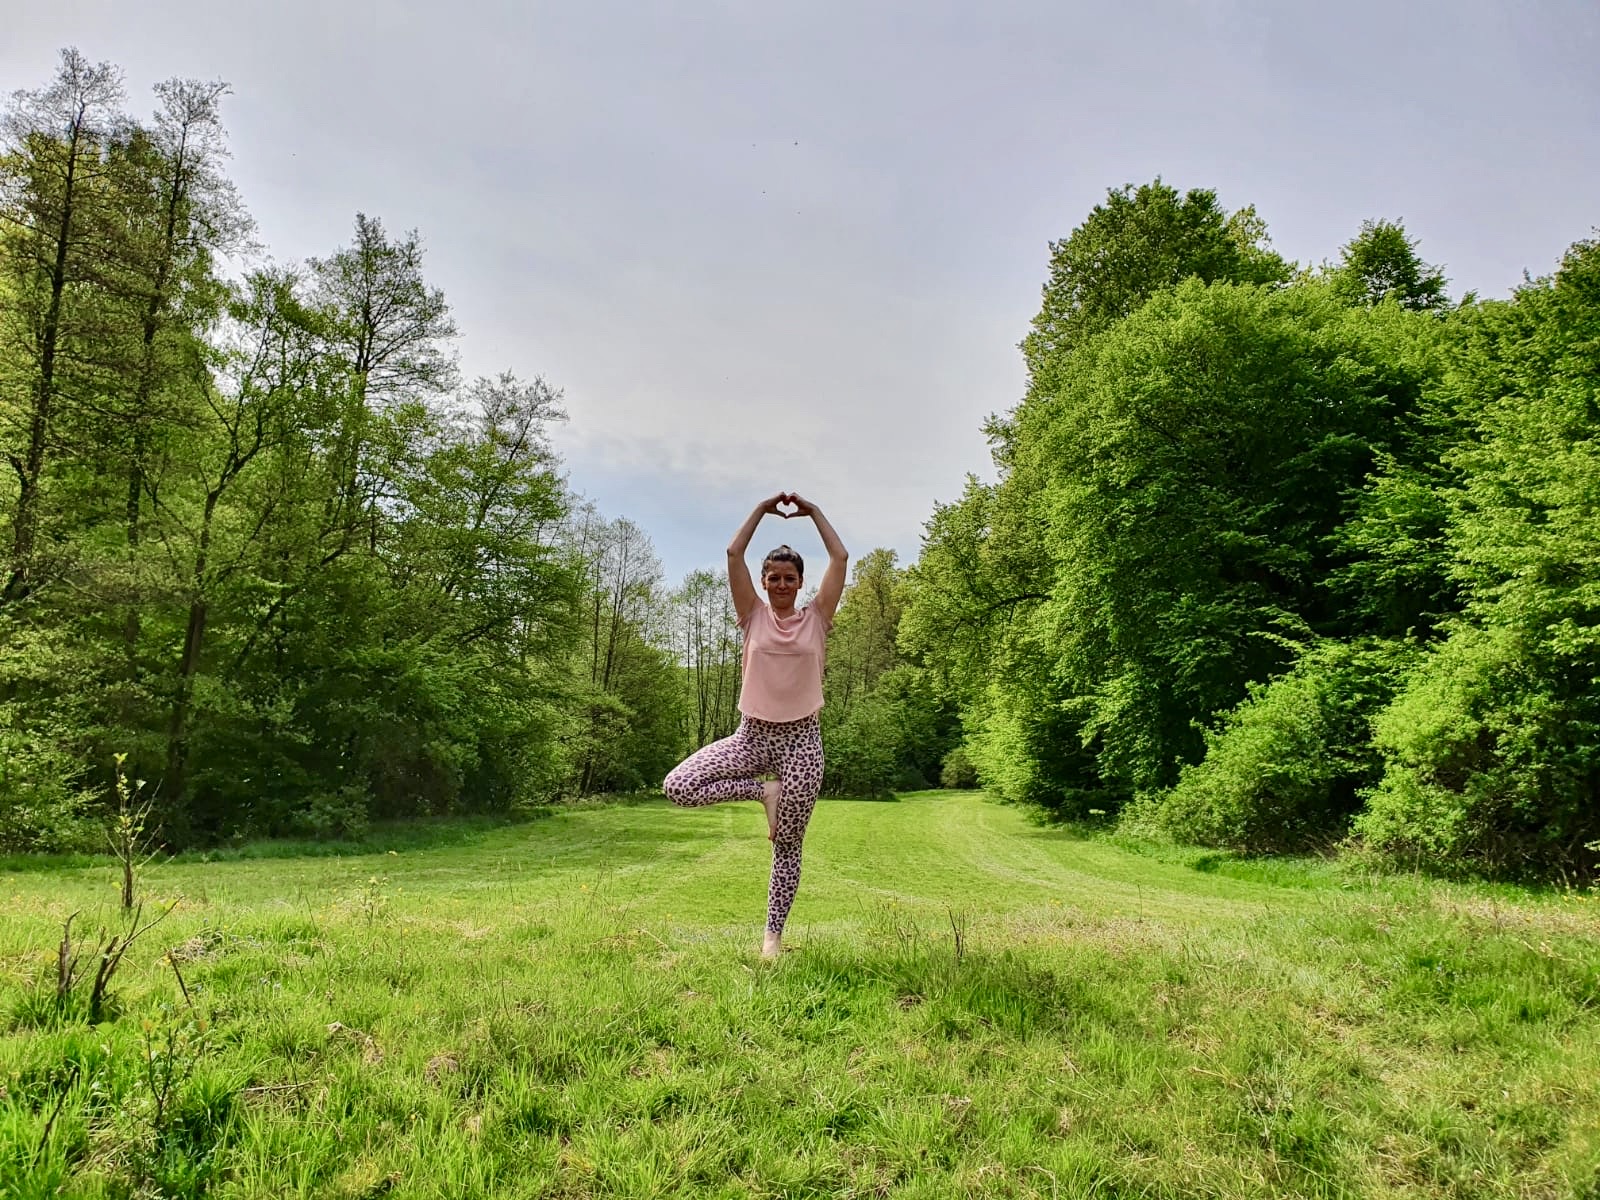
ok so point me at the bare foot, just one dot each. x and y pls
(771, 946)
(771, 790)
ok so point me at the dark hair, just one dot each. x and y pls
(784, 554)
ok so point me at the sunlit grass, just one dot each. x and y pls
(974, 1006)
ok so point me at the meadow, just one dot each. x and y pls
(972, 1005)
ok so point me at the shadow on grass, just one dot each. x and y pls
(21, 863)
(461, 831)
(966, 992)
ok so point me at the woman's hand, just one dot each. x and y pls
(802, 506)
(770, 505)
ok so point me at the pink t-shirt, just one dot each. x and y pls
(783, 663)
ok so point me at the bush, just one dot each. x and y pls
(957, 770)
(1029, 749)
(337, 815)
(1491, 761)
(1284, 770)
(43, 804)
(860, 749)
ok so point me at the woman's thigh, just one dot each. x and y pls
(743, 755)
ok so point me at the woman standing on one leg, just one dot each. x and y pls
(778, 732)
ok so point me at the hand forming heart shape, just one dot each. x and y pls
(788, 504)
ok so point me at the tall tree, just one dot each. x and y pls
(627, 731)
(54, 208)
(390, 331)
(708, 644)
(252, 390)
(988, 562)
(181, 212)
(862, 646)
(1139, 241)
(1492, 747)
(1381, 262)
(1197, 462)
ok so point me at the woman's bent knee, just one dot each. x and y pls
(678, 789)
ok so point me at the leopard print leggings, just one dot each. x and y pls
(727, 770)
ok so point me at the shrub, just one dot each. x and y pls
(43, 804)
(860, 748)
(957, 770)
(1491, 758)
(1029, 749)
(1284, 769)
(337, 814)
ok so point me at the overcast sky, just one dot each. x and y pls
(768, 247)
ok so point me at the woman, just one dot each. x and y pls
(778, 732)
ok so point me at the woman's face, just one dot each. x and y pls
(782, 582)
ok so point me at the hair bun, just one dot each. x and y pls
(784, 553)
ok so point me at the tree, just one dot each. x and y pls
(862, 645)
(389, 330)
(269, 550)
(55, 208)
(987, 562)
(1138, 242)
(627, 733)
(252, 390)
(1491, 746)
(1381, 263)
(180, 213)
(709, 648)
(886, 722)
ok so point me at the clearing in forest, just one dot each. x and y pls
(974, 1005)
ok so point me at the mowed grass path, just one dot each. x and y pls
(974, 1006)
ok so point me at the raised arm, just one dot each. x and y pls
(832, 586)
(739, 581)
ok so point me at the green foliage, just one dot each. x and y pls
(964, 588)
(41, 807)
(861, 747)
(1396, 577)
(958, 770)
(1137, 243)
(1165, 528)
(258, 535)
(1193, 466)
(629, 705)
(1463, 745)
(1491, 747)
(1381, 263)
(706, 637)
(1285, 768)
(47, 802)
(1215, 467)
(886, 721)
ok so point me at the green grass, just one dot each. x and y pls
(974, 1006)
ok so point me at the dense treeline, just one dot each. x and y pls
(1279, 555)
(1276, 556)
(262, 540)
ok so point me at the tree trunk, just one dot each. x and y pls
(193, 641)
(31, 473)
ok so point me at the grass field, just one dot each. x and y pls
(973, 1006)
